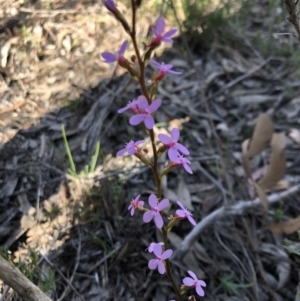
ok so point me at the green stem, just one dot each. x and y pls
(141, 79)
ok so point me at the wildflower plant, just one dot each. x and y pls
(143, 109)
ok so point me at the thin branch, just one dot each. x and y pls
(291, 7)
(225, 211)
(19, 283)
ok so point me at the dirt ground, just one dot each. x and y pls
(73, 236)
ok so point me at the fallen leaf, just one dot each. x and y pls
(276, 168)
(262, 196)
(245, 159)
(262, 135)
(295, 135)
(287, 227)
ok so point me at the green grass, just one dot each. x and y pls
(89, 168)
(232, 288)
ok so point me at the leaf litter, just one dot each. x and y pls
(53, 75)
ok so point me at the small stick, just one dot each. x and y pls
(225, 211)
(291, 7)
(19, 283)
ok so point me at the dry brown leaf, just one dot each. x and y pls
(262, 196)
(184, 195)
(295, 135)
(262, 135)
(288, 227)
(245, 159)
(281, 185)
(276, 168)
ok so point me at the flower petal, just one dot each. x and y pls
(155, 63)
(193, 275)
(148, 216)
(123, 48)
(161, 268)
(182, 149)
(152, 200)
(202, 283)
(157, 249)
(200, 290)
(155, 105)
(188, 281)
(164, 138)
(138, 142)
(180, 213)
(160, 25)
(123, 109)
(136, 119)
(121, 152)
(132, 211)
(174, 72)
(142, 102)
(152, 264)
(166, 254)
(131, 150)
(149, 122)
(187, 168)
(180, 205)
(169, 33)
(162, 204)
(108, 57)
(173, 153)
(192, 221)
(158, 220)
(167, 40)
(175, 134)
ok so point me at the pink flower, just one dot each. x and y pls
(173, 145)
(132, 105)
(152, 245)
(134, 204)
(110, 5)
(160, 256)
(144, 112)
(194, 282)
(131, 148)
(184, 213)
(163, 69)
(183, 161)
(156, 207)
(109, 57)
(158, 32)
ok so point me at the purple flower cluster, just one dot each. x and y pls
(142, 111)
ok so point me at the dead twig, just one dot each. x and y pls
(75, 266)
(291, 7)
(224, 211)
(19, 283)
(62, 276)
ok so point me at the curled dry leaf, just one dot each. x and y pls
(245, 159)
(287, 227)
(262, 135)
(295, 135)
(262, 196)
(276, 168)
